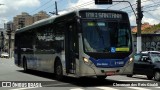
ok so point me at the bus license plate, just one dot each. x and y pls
(109, 73)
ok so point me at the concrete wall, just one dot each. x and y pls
(150, 42)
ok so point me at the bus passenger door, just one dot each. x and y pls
(71, 48)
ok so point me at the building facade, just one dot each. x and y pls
(25, 19)
(22, 20)
(40, 15)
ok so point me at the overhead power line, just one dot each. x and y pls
(155, 2)
(153, 16)
(49, 6)
(78, 6)
(113, 5)
(133, 5)
(41, 6)
(152, 10)
(152, 5)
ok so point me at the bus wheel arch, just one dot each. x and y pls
(25, 64)
(58, 69)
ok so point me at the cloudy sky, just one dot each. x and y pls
(12, 8)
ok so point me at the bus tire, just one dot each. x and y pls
(129, 75)
(101, 77)
(58, 70)
(25, 64)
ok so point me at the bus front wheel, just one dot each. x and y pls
(58, 70)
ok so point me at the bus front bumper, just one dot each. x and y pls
(87, 70)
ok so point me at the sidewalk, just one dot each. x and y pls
(12, 58)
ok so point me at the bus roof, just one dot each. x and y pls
(52, 19)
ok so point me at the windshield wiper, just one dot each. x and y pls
(99, 31)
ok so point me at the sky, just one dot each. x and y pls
(11, 8)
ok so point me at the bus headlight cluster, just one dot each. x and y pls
(87, 61)
(131, 60)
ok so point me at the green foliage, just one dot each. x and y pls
(151, 30)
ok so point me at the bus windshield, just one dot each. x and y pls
(104, 36)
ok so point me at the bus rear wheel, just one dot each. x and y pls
(58, 70)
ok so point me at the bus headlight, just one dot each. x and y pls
(87, 61)
(130, 60)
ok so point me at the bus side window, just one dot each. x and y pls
(59, 29)
(45, 40)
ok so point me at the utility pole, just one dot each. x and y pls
(2, 41)
(2, 35)
(138, 21)
(9, 33)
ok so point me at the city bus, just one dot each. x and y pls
(81, 43)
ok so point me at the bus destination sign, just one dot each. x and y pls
(102, 15)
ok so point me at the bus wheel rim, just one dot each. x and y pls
(59, 70)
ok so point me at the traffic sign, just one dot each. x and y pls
(103, 1)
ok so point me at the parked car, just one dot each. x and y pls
(147, 63)
(4, 55)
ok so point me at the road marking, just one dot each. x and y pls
(106, 88)
(77, 89)
(135, 80)
(138, 88)
(24, 88)
(157, 87)
(140, 75)
(53, 85)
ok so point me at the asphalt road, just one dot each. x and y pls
(11, 75)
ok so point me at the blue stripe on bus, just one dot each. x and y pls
(109, 63)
